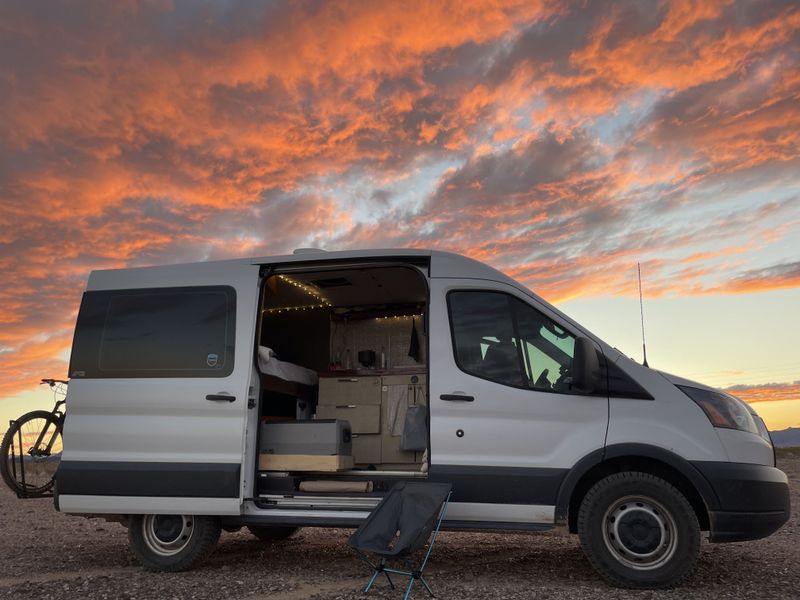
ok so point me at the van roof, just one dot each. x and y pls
(443, 264)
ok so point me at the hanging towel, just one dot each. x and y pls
(413, 348)
(396, 415)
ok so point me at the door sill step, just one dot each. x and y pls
(317, 502)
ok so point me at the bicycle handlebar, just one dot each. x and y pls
(52, 382)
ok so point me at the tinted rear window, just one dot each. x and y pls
(161, 332)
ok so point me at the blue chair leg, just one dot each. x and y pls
(389, 579)
(408, 589)
(427, 587)
(379, 568)
(371, 581)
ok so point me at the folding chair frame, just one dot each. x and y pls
(410, 572)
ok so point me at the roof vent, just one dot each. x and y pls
(331, 283)
(308, 251)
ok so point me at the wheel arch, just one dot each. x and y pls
(634, 457)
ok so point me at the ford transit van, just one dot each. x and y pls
(288, 391)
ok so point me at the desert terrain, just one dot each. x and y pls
(48, 555)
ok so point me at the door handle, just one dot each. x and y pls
(221, 398)
(457, 398)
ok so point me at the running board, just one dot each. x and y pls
(317, 502)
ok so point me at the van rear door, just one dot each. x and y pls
(158, 391)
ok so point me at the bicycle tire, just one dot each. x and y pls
(41, 473)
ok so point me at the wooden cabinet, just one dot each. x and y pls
(354, 399)
(349, 390)
(376, 408)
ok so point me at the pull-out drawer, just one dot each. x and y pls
(415, 379)
(367, 449)
(365, 418)
(349, 390)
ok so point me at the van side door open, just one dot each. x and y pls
(169, 439)
(507, 422)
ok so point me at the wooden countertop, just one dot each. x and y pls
(374, 372)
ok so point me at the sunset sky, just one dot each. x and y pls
(559, 142)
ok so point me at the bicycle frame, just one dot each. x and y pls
(35, 451)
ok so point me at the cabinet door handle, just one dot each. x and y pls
(457, 398)
(345, 406)
(349, 380)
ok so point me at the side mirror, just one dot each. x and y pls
(585, 367)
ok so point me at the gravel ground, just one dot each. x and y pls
(48, 555)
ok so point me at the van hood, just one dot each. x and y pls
(677, 380)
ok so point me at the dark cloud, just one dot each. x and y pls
(775, 276)
(517, 171)
(145, 133)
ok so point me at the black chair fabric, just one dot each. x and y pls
(402, 522)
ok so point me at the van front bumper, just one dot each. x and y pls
(752, 501)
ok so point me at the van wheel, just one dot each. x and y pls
(172, 542)
(266, 533)
(639, 531)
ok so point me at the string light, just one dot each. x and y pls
(398, 318)
(281, 309)
(322, 302)
(306, 288)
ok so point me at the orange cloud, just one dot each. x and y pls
(554, 141)
(767, 392)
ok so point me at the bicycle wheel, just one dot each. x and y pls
(30, 453)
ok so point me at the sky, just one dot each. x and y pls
(560, 142)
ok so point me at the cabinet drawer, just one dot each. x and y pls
(349, 390)
(415, 379)
(362, 419)
(367, 449)
(390, 450)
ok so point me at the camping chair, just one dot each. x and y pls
(399, 526)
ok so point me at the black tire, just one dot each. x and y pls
(266, 533)
(40, 464)
(172, 542)
(638, 531)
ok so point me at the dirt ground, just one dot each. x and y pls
(48, 555)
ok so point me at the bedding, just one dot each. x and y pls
(268, 364)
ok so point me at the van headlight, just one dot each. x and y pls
(762, 428)
(726, 411)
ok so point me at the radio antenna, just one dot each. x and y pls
(641, 312)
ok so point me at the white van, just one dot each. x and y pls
(288, 391)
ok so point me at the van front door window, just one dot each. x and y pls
(500, 338)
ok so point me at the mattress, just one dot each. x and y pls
(269, 365)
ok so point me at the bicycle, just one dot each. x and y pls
(31, 448)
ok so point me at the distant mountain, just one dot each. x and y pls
(786, 437)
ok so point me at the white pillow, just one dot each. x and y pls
(264, 354)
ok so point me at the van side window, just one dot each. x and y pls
(483, 336)
(156, 332)
(502, 339)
